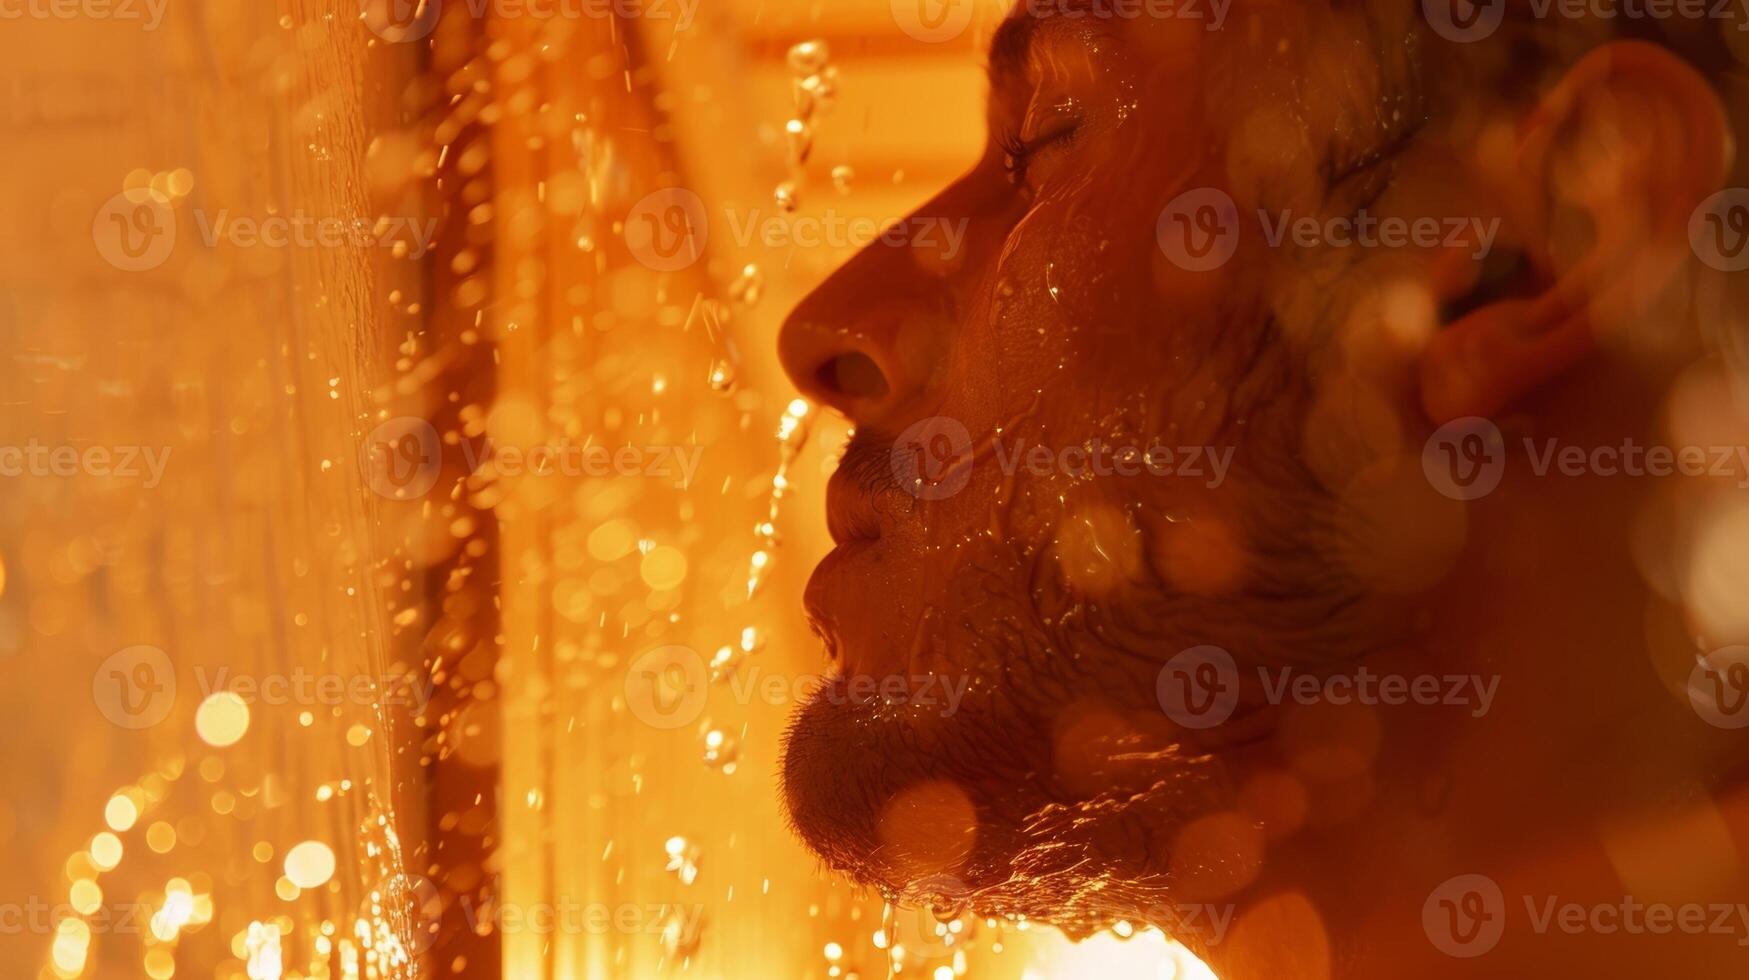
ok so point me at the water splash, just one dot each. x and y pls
(721, 750)
(722, 377)
(816, 88)
(683, 858)
(793, 431)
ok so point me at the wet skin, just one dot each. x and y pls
(1079, 451)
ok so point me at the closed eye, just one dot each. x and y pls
(1018, 153)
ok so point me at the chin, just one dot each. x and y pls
(970, 811)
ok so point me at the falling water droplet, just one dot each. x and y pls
(801, 142)
(792, 436)
(724, 662)
(765, 533)
(816, 93)
(785, 196)
(722, 377)
(842, 175)
(748, 285)
(680, 932)
(721, 750)
(683, 858)
(888, 937)
(808, 57)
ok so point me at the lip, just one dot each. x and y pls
(824, 595)
(854, 523)
(851, 517)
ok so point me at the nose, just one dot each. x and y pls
(835, 366)
(852, 365)
(865, 357)
(869, 341)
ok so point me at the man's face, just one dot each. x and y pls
(1118, 423)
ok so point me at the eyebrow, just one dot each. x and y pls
(1011, 44)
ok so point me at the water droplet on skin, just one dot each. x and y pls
(842, 175)
(785, 196)
(946, 908)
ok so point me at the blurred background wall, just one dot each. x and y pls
(202, 691)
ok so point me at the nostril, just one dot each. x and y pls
(852, 375)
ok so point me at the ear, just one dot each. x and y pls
(1631, 140)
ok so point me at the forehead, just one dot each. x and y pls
(1185, 34)
(1343, 71)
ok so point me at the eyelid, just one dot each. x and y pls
(1047, 118)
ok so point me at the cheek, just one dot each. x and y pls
(1065, 318)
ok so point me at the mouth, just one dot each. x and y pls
(854, 522)
(851, 517)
